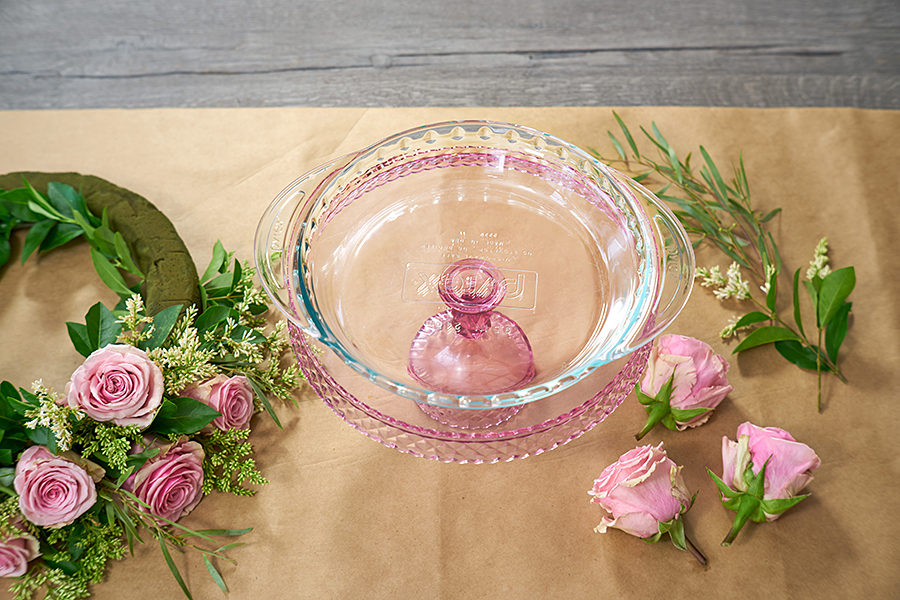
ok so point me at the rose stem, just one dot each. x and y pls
(695, 552)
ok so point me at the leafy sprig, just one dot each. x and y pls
(59, 216)
(721, 213)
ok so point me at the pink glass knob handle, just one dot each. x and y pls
(471, 348)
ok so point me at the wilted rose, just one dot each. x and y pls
(117, 383)
(639, 491)
(16, 550)
(170, 483)
(699, 382)
(53, 490)
(231, 396)
(765, 469)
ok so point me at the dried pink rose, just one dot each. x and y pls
(763, 473)
(117, 383)
(231, 396)
(170, 483)
(684, 381)
(53, 490)
(645, 495)
(15, 552)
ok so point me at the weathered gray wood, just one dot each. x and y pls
(202, 53)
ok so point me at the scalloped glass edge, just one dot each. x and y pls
(460, 445)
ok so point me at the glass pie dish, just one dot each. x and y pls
(485, 277)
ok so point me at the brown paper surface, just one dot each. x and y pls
(345, 517)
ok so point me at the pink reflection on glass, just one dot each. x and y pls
(471, 349)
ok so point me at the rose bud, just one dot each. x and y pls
(117, 383)
(645, 495)
(231, 396)
(684, 381)
(16, 549)
(762, 474)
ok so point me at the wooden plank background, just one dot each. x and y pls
(207, 53)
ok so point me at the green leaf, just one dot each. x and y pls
(183, 416)
(124, 255)
(101, 326)
(261, 395)
(627, 135)
(751, 318)
(214, 574)
(776, 506)
(798, 319)
(80, 339)
(715, 173)
(676, 533)
(60, 234)
(39, 204)
(768, 216)
(619, 150)
(765, 335)
(220, 532)
(62, 197)
(687, 415)
(163, 322)
(175, 573)
(813, 290)
(213, 316)
(5, 250)
(834, 291)
(109, 274)
(798, 354)
(218, 259)
(35, 237)
(836, 331)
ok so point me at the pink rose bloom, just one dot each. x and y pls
(699, 382)
(231, 396)
(15, 552)
(641, 490)
(53, 491)
(170, 482)
(790, 462)
(117, 383)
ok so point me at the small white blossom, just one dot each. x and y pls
(818, 266)
(52, 415)
(736, 287)
(711, 277)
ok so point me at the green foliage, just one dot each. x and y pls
(720, 212)
(228, 465)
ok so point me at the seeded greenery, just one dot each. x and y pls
(720, 213)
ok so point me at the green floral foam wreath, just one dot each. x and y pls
(171, 378)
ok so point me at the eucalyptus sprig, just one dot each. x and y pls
(721, 213)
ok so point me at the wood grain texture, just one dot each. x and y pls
(205, 53)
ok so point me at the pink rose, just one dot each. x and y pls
(641, 491)
(762, 474)
(15, 552)
(699, 381)
(117, 383)
(170, 482)
(53, 490)
(790, 463)
(231, 396)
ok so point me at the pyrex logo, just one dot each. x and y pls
(420, 284)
